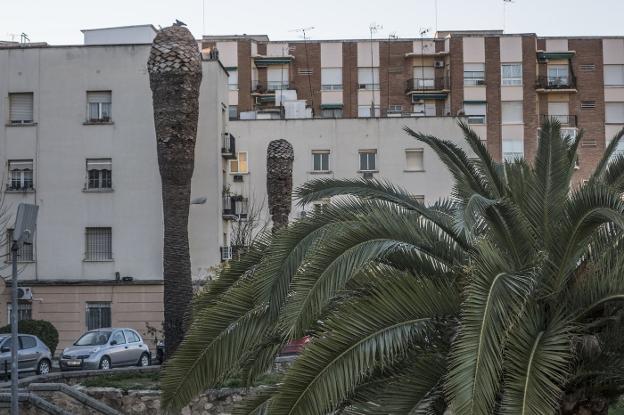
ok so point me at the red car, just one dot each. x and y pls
(295, 346)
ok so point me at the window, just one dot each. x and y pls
(426, 109)
(475, 112)
(21, 108)
(557, 75)
(99, 106)
(511, 112)
(239, 165)
(99, 244)
(277, 78)
(511, 74)
(24, 254)
(233, 79)
(419, 199)
(364, 111)
(559, 111)
(131, 336)
(27, 342)
(118, 338)
(320, 160)
(614, 75)
(24, 311)
(331, 113)
(368, 78)
(614, 112)
(98, 315)
(424, 77)
(414, 160)
(395, 109)
(474, 74)
(512, 149)
(331, 79)
(20, 175)
(367, 160)
(233, 112)
(99, 174)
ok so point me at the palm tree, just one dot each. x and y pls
(505, 298)
(280, 158)
(175, 73)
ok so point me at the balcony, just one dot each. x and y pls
(235, 207)
(228, 149)
(427, 85)
(269, 87)
(564, 120)
(556, 83)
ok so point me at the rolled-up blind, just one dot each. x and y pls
(21, 107)
(99, 96)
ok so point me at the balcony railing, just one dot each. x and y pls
(270, 86)
(235, 207)
(427, 84)
(556, 82)
(567, 120)
(228, 149)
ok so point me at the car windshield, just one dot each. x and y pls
(93, 338)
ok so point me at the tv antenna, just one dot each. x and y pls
(304, 31)
(505, 3)
(373, 28)
(24, 38)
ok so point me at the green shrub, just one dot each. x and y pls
(46, 332)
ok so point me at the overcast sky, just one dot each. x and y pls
(60, 21)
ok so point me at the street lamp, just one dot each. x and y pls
(23, 232)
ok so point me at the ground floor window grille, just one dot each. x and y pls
(24, 311)
(98, 315)
(99, 244)
(25, 253)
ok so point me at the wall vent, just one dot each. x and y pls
(588, 105)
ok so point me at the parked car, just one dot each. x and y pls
(106, 348)
(295, 347)
(32, 355)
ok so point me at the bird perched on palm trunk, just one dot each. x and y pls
(175, 73)
(280, 156)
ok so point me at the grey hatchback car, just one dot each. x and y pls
(32, 355)
(104, 349)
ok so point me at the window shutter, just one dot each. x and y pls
(99, 164)
(21, 107)
(99, 96)
(614, 112)
(414, 159)
(511, 112)
(277, 74)
(475, 109)
(474, 67)
(614, 74)
(331, 76)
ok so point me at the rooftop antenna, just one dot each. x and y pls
(373, 28)
(422, 32)
(505, 3)
(24, 38)
(304, 31)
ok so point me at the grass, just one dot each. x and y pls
(151, 381)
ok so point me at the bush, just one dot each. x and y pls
(46, 332)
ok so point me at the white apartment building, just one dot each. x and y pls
(78, 140)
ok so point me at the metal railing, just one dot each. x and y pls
(427, 84)
(568, 120)
(228, 150)
(556, 82)
(270, 86)
(235, 207)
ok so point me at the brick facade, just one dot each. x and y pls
(349, 79)
(245, 101)
(394, 71)
(529, 96)
(307, 56)
(493, 94)
(457, 74)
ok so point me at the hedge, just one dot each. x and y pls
(46, 332)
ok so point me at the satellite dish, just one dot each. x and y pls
(2, 285)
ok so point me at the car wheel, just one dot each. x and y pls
(144, 360)
(105, 363)
(44, 366)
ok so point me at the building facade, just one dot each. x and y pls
(505, 84)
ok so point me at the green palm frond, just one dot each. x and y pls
(604, 162)
(365, 334)
(539, 360)
(258, 404)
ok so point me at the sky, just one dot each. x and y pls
(60, 21)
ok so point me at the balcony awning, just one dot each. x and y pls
(266, 98)
(429, 96)
(544, 56)
(263, 61)
(331, 106)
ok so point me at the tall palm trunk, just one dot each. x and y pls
(175, 75)
(280, 156)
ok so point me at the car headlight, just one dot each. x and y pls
(94, 351)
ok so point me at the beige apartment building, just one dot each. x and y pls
(505, 84)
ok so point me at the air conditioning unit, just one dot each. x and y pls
(480, 81)
(367, 175)
(24, 293)
(438, 64)
(238, 178)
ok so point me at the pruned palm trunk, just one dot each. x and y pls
(175, 76)
(579, 403)
(280, 158)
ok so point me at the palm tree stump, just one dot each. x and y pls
(175, 72)
(280, 156)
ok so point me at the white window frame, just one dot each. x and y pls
(618, 72)
(511, 80)
(24, 119)
(364, 81)
(331, 85)
(473, 116)
(320, 154)
(237, 162)
(422, 158)
(474, 75)
(21, 175)
(511, 117)
(103, 107)
(368, 153)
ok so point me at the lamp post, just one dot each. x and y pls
(23, 231)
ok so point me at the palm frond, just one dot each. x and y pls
(258, 404)
(604, 162)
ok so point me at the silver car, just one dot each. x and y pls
(32, 355)
(104, 349)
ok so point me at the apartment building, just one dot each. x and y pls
(78, 139)
(505, 84)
